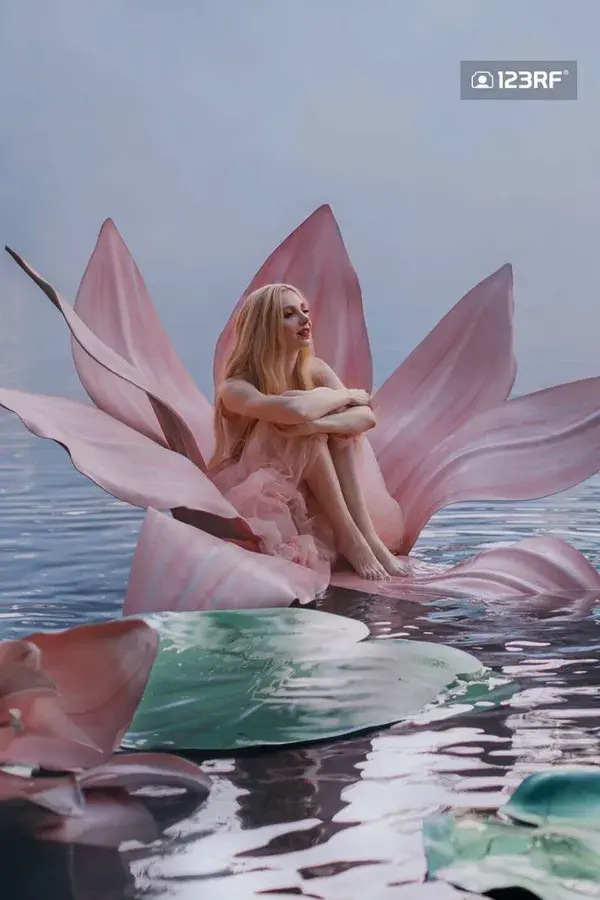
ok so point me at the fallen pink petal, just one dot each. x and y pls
(93, 678)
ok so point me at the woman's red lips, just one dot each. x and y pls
(304, 332)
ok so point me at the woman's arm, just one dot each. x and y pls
(292, 408)
(353, 421)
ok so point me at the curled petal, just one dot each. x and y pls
(114, 302)
(15, 679)
(125, 463)
(20, 669)
(139, 770)
(534, 566)
(529, 447)
(100, 672)
(27, 804)
(175, 430)
(40, 733)
(108, 820)
(176, 567)
(20, 653)
(463, 367)
(111, 815)
(314, 259)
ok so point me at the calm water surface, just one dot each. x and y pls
(339, 820)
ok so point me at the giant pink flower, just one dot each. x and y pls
(446, 431)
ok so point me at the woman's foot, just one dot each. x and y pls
(362, 559)
(391, 564)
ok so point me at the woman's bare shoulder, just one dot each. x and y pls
(323, 375)
(236, 387)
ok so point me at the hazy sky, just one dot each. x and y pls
(208, 129)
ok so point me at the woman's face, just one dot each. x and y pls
(296, 321)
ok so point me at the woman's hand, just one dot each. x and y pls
(358, 397)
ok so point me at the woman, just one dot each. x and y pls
(288, 441)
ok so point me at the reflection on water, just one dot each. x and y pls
(336, 820)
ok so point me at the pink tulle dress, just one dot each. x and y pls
(266, 486)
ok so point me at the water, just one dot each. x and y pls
(337, 820)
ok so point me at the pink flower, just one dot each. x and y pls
(446, 431)
(66, 700)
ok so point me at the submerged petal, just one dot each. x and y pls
(111, 815)
(176, 567)
(464, 366)
(314, 259)
(125, 463)
(529, 447)
(540, 565)
(174, 430)
(27, 804)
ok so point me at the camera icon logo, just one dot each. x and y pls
(482, 80)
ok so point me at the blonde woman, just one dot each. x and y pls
(287, 437)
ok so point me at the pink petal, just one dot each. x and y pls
(125, 463)
(42, 734)
(108, 820)
(31, 803)
(540, 565)
(16, 679)
(110, 815)
(386, 514)
(529, 447)
(465, 365)
(100, 672)
(176, 567)
(313, 258)
(114, 302)
(175, 430)
(138, 770)
(19, 653)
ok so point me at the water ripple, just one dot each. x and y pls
(339, 819)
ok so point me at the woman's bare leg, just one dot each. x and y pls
(323, 482)
(345, 461)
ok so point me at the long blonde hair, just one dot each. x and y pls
(257, 357)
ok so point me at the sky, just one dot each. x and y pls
(209, 130)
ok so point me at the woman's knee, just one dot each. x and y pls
(342, 443)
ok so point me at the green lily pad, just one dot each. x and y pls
(480, 856)
(233, 679)
(567, 796)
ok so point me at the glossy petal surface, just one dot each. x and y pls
(176, 432)
(114, 302)
(96, 808)
(125, 463)
(177, 567)
(529, 447)
(541, 565)
(314, 259)
(235, 679)
(100, 672)
(463, 367)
